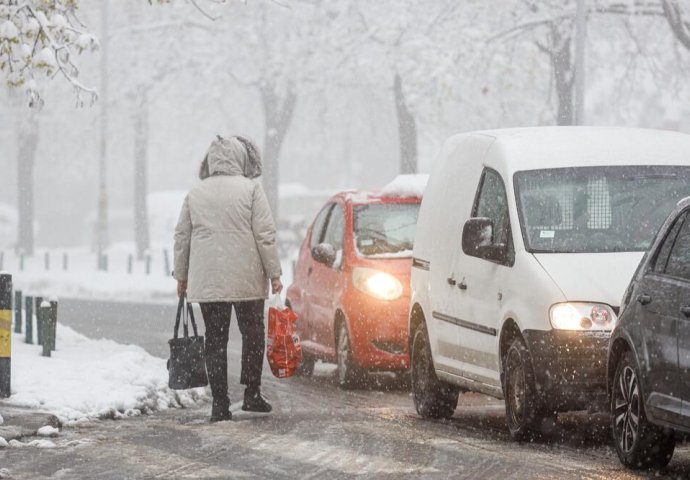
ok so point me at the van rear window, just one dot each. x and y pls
(596, 209)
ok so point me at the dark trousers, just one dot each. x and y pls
(250, 319)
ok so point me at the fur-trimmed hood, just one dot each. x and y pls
(231, 156)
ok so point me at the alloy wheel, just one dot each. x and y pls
(627, 410)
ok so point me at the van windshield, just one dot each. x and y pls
(597, 209)
(385, 229)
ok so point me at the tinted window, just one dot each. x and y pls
(678, 264)
(597, 209)
(317, 230)
(492, 203)
(662, 257)
(336, 228)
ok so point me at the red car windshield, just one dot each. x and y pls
(385, 229)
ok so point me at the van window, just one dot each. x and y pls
(492, 203)
(596, 209)
(317, 229)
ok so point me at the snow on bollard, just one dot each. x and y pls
(5, 334)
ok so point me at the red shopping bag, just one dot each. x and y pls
(284, 351)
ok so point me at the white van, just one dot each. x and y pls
(525, 243)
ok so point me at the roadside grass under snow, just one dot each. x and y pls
(88, 378)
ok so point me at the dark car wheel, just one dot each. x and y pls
(432, 397)
(523, 412)
(306, 368)
(639, 443)
(349, 374)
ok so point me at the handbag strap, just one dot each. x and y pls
(185, 314)
(180, 309)
(190, 312)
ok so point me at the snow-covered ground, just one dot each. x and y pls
(87, 378)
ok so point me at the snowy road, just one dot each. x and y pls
(316, 431)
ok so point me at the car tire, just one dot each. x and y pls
(348, 372)
(432, 397)
(306, 367)
(639, 443)
(523, 407)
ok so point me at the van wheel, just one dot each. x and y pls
(639, 443)
(432, 397)
(349, 374)
(523, 412)
(306, 367)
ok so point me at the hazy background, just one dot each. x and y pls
(464, 65)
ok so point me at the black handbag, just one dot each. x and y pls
(187, 365)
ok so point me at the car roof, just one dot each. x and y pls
(557, 147)
(362, 196)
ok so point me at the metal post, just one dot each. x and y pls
(580, 37)
(39, 321)
(44, 315)
(53, 322)
(29, 319)
(47, 260)
(5, 334)
(18, 311)
(2, 260)
(102, 223)
(65, 261)
(130, 262)
(148, 263)
(166, 261)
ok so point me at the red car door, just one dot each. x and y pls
(326, 283)
(300, 295)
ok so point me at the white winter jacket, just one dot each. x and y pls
(225, 240)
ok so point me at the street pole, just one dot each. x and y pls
(102, 223)
(580, 37)
(5, 334)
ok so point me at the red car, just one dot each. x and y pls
(351, 286)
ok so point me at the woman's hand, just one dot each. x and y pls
(276, 285)
(181, 287)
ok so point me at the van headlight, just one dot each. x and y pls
(582, 316)
(376, 283)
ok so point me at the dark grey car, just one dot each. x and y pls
(649, 353)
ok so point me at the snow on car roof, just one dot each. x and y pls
(411, 185)
(556, 147)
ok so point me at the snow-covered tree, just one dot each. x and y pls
(40, 39)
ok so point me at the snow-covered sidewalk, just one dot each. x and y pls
(88, 378)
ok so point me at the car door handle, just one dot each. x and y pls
(462, 285)
(451, 281)
(644, 299)
(685, 310)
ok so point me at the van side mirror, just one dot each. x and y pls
(478, 241)
(324, 253)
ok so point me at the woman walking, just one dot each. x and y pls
(225, 253)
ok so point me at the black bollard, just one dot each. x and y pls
(53, 322)
(18, 311)
(5, 334)
(29, 319)
(44, 315)
(39, 321)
